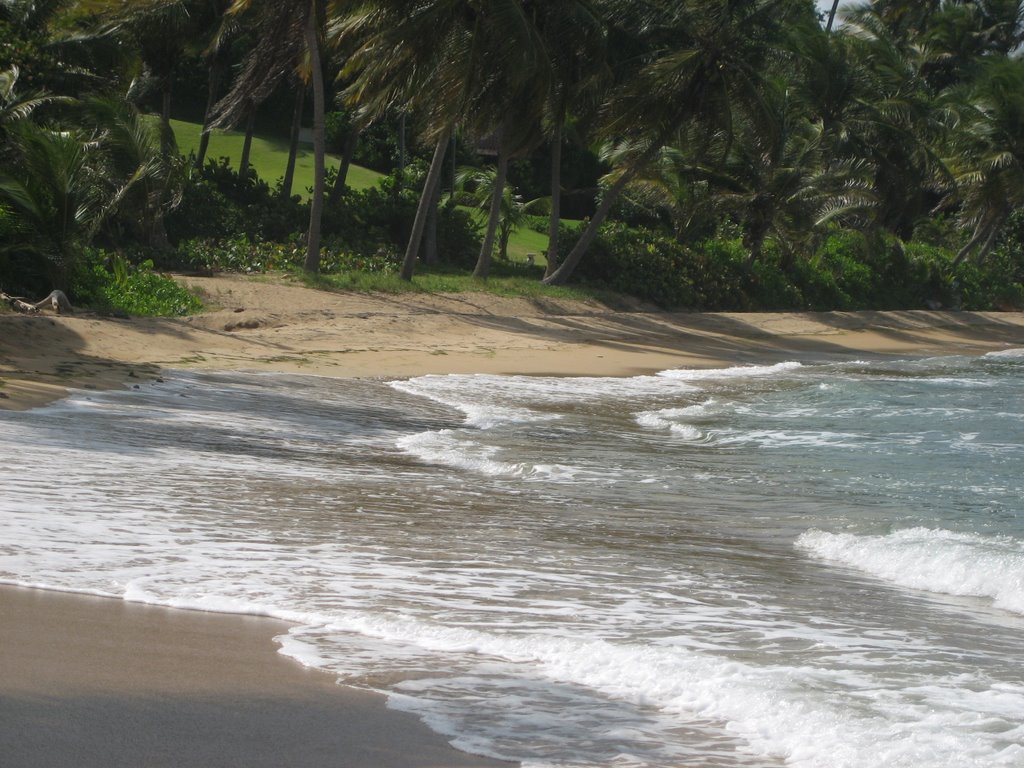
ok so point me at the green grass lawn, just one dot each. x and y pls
(268, 156)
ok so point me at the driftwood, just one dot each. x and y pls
(57, 301)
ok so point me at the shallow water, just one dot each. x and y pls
(815, 565)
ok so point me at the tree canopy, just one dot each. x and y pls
(771, 130)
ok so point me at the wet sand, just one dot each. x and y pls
(98, 683)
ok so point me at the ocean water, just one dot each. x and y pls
(806, 565)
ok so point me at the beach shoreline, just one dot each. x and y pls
(104, 683)
(264, 324)
(104, 680)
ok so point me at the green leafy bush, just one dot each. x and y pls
(636, 261)
(110, 283)
(218, 203)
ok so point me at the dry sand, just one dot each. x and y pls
(89, 682)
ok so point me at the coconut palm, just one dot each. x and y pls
(777, 178)
(897, 123)
(710, 53)
(479, 185)
(988, 163)
(480, 63)
(575, 35)
(288, 39)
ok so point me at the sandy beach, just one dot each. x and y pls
(94, 682)
(273, 324)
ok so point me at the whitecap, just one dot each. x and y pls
(933, 560)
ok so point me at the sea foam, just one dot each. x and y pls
(933, 560)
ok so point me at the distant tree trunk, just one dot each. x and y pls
(401, 151)
(429, 185)
(165, 120)
(250, 125)
(483, 262)
(455, 163)
(347, 153)
(561, 275)
(293, 141)
(832, 15)
(430, 255)
(213, 88)
(979, 234)
(556, 202)
(986, 247)
(216, 70)
(316, 205)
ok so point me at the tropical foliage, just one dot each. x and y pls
(721, 153)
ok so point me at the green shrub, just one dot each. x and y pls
(110, 283)
(640, 262)
(218, 203)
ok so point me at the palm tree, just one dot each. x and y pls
(410, 59)
(448, 61)
(896, 120)
(575, 36)
(53, 193)
(988, 161)
(288, 38)
(144, 181)
(776, 177)
(717, 55)
(14, 106)
(160, 31)
(479, 184)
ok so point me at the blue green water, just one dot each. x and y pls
(810, 565)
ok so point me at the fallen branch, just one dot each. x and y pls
(57, 301)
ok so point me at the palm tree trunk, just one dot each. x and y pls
(430, 233)
(986, 247)
(561, 275)
(347, 153)
(316, 204)
(977, 237)
(556, 202)
(483, 262)
(832, 15)
(165, 120)
(433, 177)
(401, 151)
(216, 70)
(293, 141)
(250, 126)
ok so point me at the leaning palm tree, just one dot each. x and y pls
(718, 55)
(450, 62)
(407, 59)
